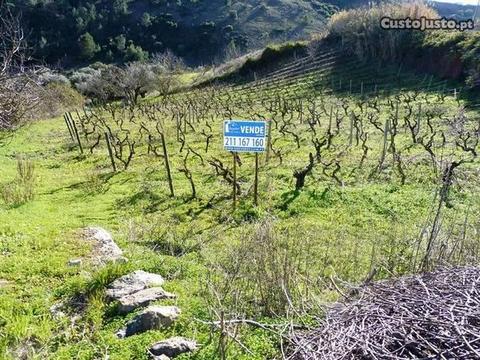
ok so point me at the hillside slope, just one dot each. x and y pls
(198, 30)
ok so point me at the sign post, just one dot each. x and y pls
(244, 136)
(255, 184)
(234, 181)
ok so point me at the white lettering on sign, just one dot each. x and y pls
(251, 130)
(244, 136)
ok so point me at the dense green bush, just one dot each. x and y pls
(464, 45)
(74, 33)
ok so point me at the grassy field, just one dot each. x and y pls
(274, 263)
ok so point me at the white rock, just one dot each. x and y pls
(142, 298)
(4, 283)
(133, 282)
(58, 310)
(74, 262)
(105, 249)
(173, 347)
(161, 357)
(152, 318)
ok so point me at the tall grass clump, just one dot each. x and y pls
(360, 32)
(269, 272)
(22, 189)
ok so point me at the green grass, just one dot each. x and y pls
(37, 240)
(334, 230)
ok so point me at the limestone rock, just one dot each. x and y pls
(4, 283)
(142, 298)
(105, 249)
(152, 318)
(74, 262)
(161, 357)
(172, 347)
(131, 283)
(58, 310)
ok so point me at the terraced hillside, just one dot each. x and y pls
(371, 172)
(337, 72)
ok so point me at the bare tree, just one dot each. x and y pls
(167, 65)
(137, 79)
(19, 93)
(168, 61)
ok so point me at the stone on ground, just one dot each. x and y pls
(142, 298)
(172, 347)
(161, 357)
(132, 283)
(4, 283)
(105, 249)
(152, 318)
(58, 310)
(74, 262)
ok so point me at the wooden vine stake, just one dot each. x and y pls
(110, 152)
(167, 165)
(269, 141)
(67, 122)
(75, 130)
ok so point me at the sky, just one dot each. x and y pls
(464, 2)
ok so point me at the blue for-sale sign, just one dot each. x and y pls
(244, 136)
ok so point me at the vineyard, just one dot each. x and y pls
(370, 172)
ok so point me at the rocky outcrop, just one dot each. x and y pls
(104, 248)
(172, 347)
(152, 318)
(132, 283)
(142, 298)
(136, 290)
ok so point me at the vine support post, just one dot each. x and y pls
(77, 136)
(110, 153)
(67, 122)
(269, 141)
(167, 165)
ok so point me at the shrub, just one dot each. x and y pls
(50, 77)
(267, 271)
(20, 190)
(57, 98)
(102, 84)
(135, 53)
(360, 32)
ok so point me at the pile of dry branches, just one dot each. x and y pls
(430, 316)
